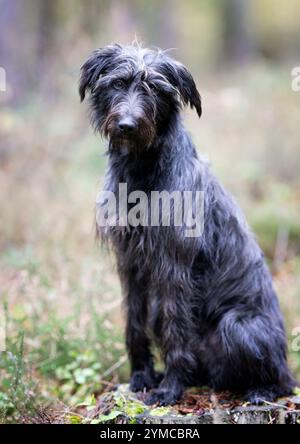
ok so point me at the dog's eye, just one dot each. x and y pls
(119, 84)
(153, 87)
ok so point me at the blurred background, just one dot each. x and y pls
(60, 295)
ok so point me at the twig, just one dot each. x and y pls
(274, 404)
(114, 367)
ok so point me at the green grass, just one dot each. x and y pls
(52, 359)
(55, 351)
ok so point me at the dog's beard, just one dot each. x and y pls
(123, 144)
(141, 140)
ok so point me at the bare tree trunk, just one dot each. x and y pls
(165, 25)
(46, 46)
(238, 32)
(11, 57)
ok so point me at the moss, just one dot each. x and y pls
(134, 408)
(161, 411)
(113, 414)
(125, 404)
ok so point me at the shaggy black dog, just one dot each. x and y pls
(206, 301)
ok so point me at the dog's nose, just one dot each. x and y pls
(127, 125)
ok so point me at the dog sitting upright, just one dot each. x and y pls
(206, 301)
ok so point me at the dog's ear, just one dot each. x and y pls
(182, 80)
(187, 88)
(99, 63)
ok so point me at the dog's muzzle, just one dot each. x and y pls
(127, 126)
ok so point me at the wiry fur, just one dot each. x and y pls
(208, 302)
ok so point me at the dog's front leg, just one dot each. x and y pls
(137, 341)
(180, 363)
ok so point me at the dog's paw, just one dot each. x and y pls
(162, 396)
(142, 379)
(260, 395)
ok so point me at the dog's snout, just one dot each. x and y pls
(127, 125)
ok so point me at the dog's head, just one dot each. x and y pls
(134, 92)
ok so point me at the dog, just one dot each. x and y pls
(206, 301)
